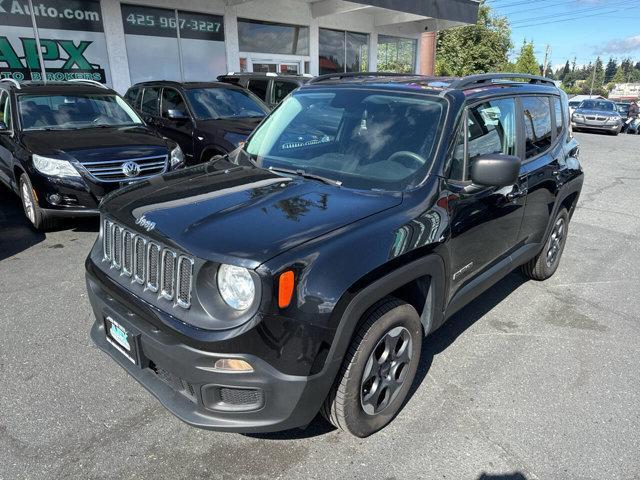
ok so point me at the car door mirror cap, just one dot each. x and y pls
(175, 114)
(496, 170)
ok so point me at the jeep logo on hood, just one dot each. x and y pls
(148, 225)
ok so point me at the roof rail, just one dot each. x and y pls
(90, 82)
(12, 81)
(340, 76)
(488, 78)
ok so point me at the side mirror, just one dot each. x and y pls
(496, 170)
(177, 114)
(3, 127)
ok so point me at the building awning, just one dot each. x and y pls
(430, 14)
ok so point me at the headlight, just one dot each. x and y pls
(577, 116)
(236, 286)
(54, 167)
(614, 120)
(177, 157)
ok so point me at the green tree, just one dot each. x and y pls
(478, 48)
(565, 71)
(526, 61)
(610, 71)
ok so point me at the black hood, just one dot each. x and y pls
(242, 126)
(132, 142)
(242, 215)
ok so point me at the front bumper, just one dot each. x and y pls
(183, 379)
(592, 126)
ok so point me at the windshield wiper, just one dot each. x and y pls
(302, 173)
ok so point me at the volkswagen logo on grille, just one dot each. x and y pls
(131, 169)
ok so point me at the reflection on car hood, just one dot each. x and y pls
(56, 142)
(243, 215)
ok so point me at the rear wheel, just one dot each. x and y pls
(37, 218)
(546, 263)
(378, 370)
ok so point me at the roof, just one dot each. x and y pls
(264, 74)
(185, 85)
(76, 86)
(472, 85)
(579, 98)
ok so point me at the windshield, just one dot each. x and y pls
(598, 105)
(364, 139)
(68, 112)
(215, 103)
(574, 104)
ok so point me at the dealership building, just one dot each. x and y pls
(124, 42)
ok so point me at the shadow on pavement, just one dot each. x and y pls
(433, 345)
(16, 234)
(505, 476)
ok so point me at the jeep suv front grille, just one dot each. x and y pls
(149, 265)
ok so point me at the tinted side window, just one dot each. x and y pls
(491, 129)
(282, 89)
(5, 109)
(149, 103)
(259, 87)
(537, 124)
(172, 100)
(131, 96)
(559, 117)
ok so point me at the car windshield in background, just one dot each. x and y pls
(363, 139)
(215, 103)
(69, 112)
(598, 105)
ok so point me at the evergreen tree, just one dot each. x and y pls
(527, 62)
(610, 71)
(565, 71)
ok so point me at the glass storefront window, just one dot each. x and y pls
(266, 37)
(152, 33)
(396, 54)
(342, 51)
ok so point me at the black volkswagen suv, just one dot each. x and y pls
(205, 118)
(304, 271)
(65, 145)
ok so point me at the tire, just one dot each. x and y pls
(542, 266)
(36, 217)
(390, 331)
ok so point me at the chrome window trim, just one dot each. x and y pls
(164, 293)
(137, 279)
(179, 302)
(148, 285)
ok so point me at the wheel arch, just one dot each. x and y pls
(211, 151)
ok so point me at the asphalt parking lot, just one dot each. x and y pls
(530, 381)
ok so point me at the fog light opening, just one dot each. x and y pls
(54, 199)
(232, 365)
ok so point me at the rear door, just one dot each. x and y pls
(544, 161)
(178, 130)
(150, 105)
(260, 87)
(484, 220)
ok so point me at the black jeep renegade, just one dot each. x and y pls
(302, 272)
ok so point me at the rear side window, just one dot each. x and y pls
(131, 96)
(172, 100)
(557, 105)
(282, 89)
(259, 87)
(537, 124)
(5, 109)
(149, 103)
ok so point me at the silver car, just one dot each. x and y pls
(597, 115)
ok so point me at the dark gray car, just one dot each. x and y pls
(597, 114)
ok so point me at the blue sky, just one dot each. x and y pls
(575, 28)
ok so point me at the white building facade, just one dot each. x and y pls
(125, 42)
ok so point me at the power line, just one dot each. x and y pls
(563, 20)
(619, 3)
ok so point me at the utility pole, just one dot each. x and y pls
(547, 52)
(593, 78)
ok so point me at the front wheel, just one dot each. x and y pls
(37, 218)
(378, 370)
(545, 264)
